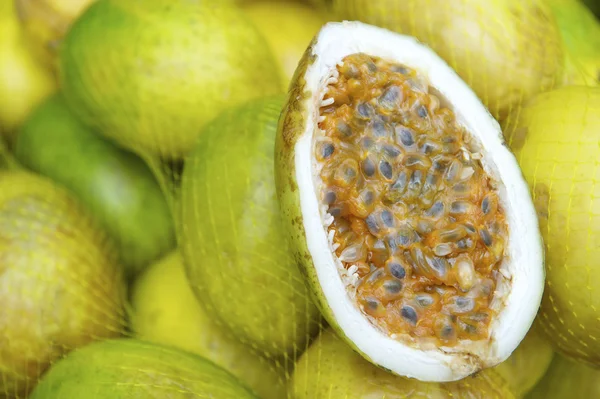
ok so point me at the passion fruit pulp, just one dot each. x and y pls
(408, 214)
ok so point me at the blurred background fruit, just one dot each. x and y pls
(115, 185)
(162, 70)
(23, 82)
(566, 379)
(60, 284)
(45, 23)
(165, 311)
(288, 27)
(233, 246)
(127, 368)
(556, 138)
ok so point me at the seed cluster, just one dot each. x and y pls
(415, 215)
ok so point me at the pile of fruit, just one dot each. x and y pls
(309, 199)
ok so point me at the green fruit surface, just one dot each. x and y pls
(505, 50)
(331, 369)
(60, 285)
(234, 248)
(527, 364)
(114, 184)
(149, 74)
(557, 142)
(566, 379)
(131, 369)
(165, 311)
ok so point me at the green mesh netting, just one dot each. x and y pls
(142, 253)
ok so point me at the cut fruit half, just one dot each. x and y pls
(408, 214)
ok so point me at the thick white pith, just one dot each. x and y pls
(517, 298)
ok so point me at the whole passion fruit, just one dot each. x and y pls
(410, 218)
(60, 284)
(556, 139)
(232, 239)
(163, 69)
(128, 368)
(506, 50)
(331, 369)
(165, 311)
(115, 185)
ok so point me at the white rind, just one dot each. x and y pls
(524, 264)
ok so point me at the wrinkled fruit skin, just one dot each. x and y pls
(505, 50)
(23, 83)
(165, 311)
(232, 240)
(127, 368)
(527, 364)
(60, 286)
(114, 184)
(566, 379)
(330, 369)
(46, 22)
(556, 142)
(173, 66)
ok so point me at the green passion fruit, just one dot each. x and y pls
(128, 368)
(232, 240)
(505, 50)
(410, 217)
(165, 311)
(115, 185)
(556, 139)
(331, 369)
(163, 69)
(60, 284)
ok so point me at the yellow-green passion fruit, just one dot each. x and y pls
(162, 70)
(556, 141)
(128, 368)
(232, 240)
(60, 287)
(409, 216)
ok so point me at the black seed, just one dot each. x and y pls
(365, 111)
(424, 300)
(422, 111)
(368, 197)
(368, 167)
(464, 304)
(409, 314)
(448, 139)
(387, 218)
(468, 328)
(436, 210)
(486, 237)
(416, 181)
(479, 316)
(327, 150)
(447, 331)
(400, 183)
(405, 136)
(403, 238)
(372, 224)
(432, 179)
(386, 169)
(485, 205)
(470, 228)
(391, 151)
(397, 270)
(459, 207)
(399, 69)
(372, 67)
(460, 188)
(344, 129)
(366, 143)
(335, 212)
(330, 197)
(391, 243)
(439, 265)
(390, 97)
(375, 275)
(465, 243)
(372, 303)
(392, 286)
(439, 165)
(380, 129)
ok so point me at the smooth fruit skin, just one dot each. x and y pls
(330, 369)
(114, 184)
(45, 23)
(566, 379)
(23, 83)
(527, 364)
(162, 70)
(288, 27)
(556, 140)
(128, 369)
(233, 244)
(165, 311)
(505, 50)
(60, 284)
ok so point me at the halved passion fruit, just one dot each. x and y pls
(410, 217)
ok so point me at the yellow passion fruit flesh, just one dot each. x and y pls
(409, 215)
